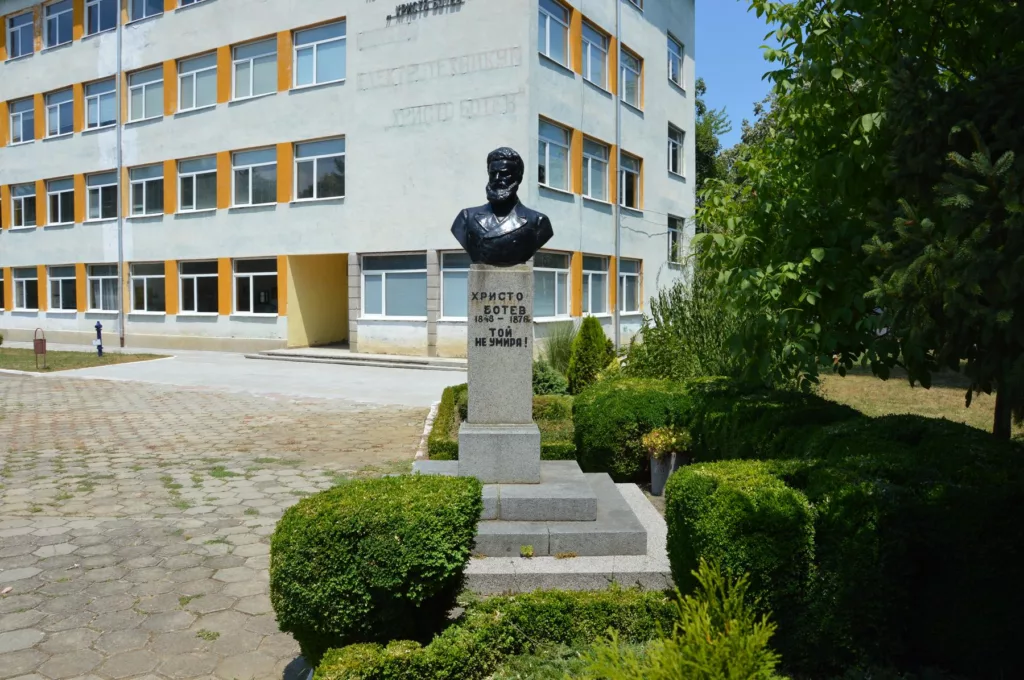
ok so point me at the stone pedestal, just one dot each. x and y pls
(499, 443)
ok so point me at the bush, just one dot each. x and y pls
(717, 636)
(610, 419)
(502, 626)
(590, 355)
(558, 345)
(552, 408)
(442, 443)
(740, 515)
(372, 560)
(546, 380)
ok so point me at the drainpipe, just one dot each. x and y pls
(616, 212)
(121, 188)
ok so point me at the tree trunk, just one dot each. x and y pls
(1001, 425)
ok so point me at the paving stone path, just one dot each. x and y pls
(135, 522)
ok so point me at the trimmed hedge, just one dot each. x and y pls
(442, 442)
(502, 626)
(740, 515)
(372, 560)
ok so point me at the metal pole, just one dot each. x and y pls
(616, 212)
(121, 188)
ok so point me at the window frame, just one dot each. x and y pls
(623, 172)
(145, 87)
(314, 46)
(316, 165)
(50, 279)
(544, 156)
(144, 4)
(56, 17)
(627, 54)
(454, 269)
(145, 190)
(59, 195)
(588, 286)
(30, 25)
(568, 285)
(639, 4)
(587, 47)
(132, 277)
(99, 189)
(103, 279)
(194, 282)
(193, 176)
(564, 23)
(15, 200)
(30, 112)
(236, 61)
(676, 53)
(21, 285)
(249, 171)
(60, 109)
(621, 296)
(236, 275)
(98, 99)
(384, 287)
(676, 234)
(194, 87)
(676, 151)
(97, 5)
(588, 174)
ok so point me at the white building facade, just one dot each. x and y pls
(253, 174)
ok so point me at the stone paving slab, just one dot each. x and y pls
(135, 522)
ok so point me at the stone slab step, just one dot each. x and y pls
(375, 360)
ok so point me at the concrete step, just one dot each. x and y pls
(351, 359)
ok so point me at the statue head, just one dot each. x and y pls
(504, 174)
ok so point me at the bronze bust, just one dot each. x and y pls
(504, 232)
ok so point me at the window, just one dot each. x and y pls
(455, 285)
(320, 55)
(255, 69)
(675, 150)
(102, 282)
(100, 15)
(629, 285)
(254, 177)
(148, 288)
(186, 3)
(146, 94)
(675, 61)
(60, 197)
(595, 55)
(20, 40)
(595, 285)
(629, 182)
(320, 169)
(197, 184)
(197, 82)
(60, 109)
(140, 9)
(101, 194)
(639, 4)
(553, 31)
(632, 67)
(63, 295)
(199, 287)
(395, 285)
(147, 185)
(675, 239)
(23, 205)
(26, 289)
(553, 152)
(23, 121)
(256, 286)
(595, 170)
(57, 29)
(550, 285)
(100, 104)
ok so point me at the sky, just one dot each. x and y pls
(728, 58)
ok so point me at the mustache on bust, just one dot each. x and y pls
(499, 194)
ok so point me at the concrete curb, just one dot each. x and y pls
(421, 450)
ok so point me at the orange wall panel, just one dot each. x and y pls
(223, 74)
(78, 91)
(576, 40)
(40, 115)
(285, 168)
(223, 180)
(576, 283)
(5, 207)
(284, 61)
(613, 282)
(41, 203)
(170, 187)
(225, 281)
(81, 288)
(170, 87)
(3, 47)
(77, 19)
(282, 285)
(170, 5)
(576, 161)
(80, 198)
(44, 290)
(171, 286)
(613, 173)
(5, 118)
(613, 65)
(8, 300)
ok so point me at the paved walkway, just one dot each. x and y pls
(135, 520)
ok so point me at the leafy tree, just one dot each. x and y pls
(710, 126)
(590, 355)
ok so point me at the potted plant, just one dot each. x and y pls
(663, 445)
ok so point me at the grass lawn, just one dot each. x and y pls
(25, 360)
(945, 398)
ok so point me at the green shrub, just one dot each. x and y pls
(557, 451)
(557, 347)
(717, 636)
(552, 408)
(740, 515)
(372, 560)
(590, 355)
(546, 380)
(611, 417)
(499, 627)
(442, 443)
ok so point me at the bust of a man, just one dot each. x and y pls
(503, 232)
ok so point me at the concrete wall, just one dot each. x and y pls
(317, 299)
